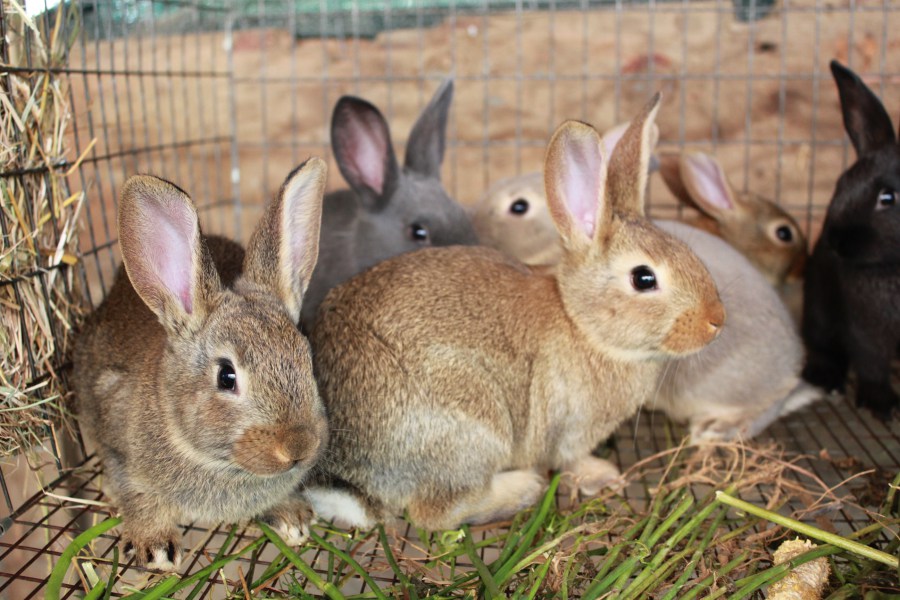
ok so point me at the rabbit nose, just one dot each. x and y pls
(716, 319)
(301, 444)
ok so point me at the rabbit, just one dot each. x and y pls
(732, 389)
(750, 377)
(389, 210)
(454, 376)
(763, 231)
(196, 388)
(852, 281)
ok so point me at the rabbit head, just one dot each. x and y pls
(764, 232)
(634, 290)
(513, 217)
(862, 225)
(237, 375)
(404, 208)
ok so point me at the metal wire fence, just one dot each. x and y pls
(225, 97)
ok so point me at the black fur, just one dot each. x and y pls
(852, 284)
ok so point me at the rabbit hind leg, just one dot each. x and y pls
(507, 493)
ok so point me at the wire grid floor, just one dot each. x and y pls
(833, 440)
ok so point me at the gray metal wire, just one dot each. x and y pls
(200, 135)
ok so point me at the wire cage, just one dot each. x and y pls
(225, 97)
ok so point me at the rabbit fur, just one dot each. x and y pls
(186, 319)
(750, 377)
(731, 389)
(388, 210)
(454, 377)
(763, 231)
(852, 282)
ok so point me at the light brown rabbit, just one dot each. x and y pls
(760, 229)
(453, 377)
(192, 378)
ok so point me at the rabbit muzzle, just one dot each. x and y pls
(273, 450)
(695, 328)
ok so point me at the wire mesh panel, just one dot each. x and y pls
(225, 98)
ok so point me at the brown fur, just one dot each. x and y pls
(452, 376)
(749, 227)
(175, 447)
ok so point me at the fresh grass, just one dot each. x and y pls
(680, 541)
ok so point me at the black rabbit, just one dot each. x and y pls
(852, 286)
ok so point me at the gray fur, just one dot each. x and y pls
(363, 226)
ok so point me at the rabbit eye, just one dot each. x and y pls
(785, 234)
(886, 198)
(643, 279)
(418, 232)
(227, 378)
(519, 207)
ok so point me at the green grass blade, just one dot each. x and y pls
(350, 561)
(328, 588)
(810, 531)
(486, 578)
(58, 574)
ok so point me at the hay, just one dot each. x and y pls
(40, 301)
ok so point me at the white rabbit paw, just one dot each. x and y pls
(159, 552)
(290, 521)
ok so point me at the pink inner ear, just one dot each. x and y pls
(367, 149)
(168, 244)
(709, 181)
(612, 137)
(582, 184)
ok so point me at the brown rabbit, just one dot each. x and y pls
(192, 379)
(454, 376)
(760, 229)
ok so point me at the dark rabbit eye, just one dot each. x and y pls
(227, 377)
(643, 279)
(519, 207)
(785, 234)
(418, 232)
(886, 198)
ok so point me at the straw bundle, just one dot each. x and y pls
(40, 302)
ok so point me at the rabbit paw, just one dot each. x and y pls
(290, 521)
(592, 474)
(160, 552)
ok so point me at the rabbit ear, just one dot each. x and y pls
(866, 121)
(574, 178)
(163, 252)
(285, 245)
(628, 165)
(707, 185)
(361, 142)
(425, 149)
(612, 137)
(670, 169)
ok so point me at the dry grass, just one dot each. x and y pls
(40, 300)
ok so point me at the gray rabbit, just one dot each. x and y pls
(389, 209)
